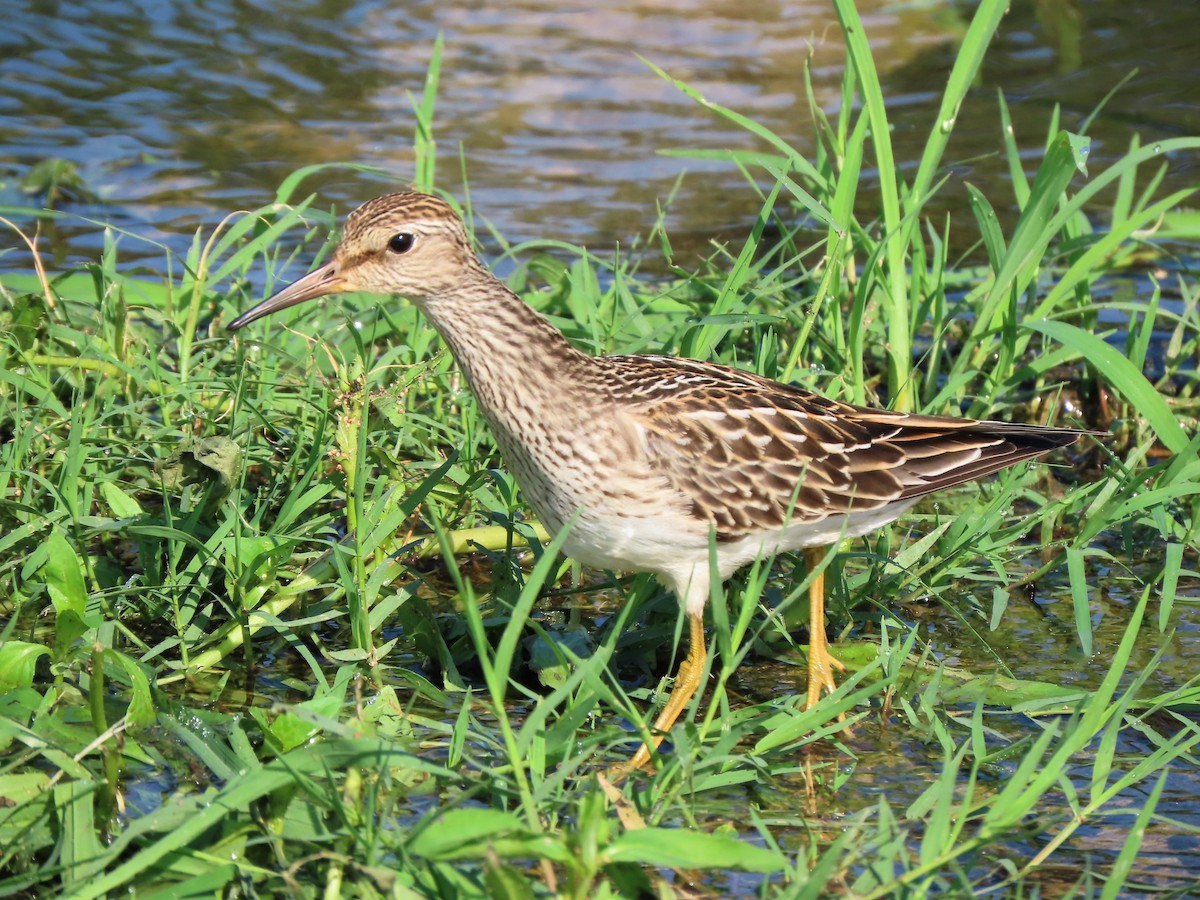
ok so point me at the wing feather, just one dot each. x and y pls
(752, 455)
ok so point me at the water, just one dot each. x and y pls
(177, 113)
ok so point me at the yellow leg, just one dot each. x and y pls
(687, 680)
(821, 663)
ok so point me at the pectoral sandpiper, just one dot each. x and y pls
(652, 460)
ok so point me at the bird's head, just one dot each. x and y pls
(407, 243)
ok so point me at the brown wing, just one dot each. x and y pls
(752, 454)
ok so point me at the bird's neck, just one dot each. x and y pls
(506, 348)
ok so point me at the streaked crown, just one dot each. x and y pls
(406, 243)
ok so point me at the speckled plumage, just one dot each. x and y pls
(647, 457)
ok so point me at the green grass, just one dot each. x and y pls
(276, 621)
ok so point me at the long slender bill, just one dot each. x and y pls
(317, 283)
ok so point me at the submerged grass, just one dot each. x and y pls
(303, 639)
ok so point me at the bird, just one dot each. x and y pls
(657, 463)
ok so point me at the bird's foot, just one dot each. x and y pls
(640, 761)
(821, 666)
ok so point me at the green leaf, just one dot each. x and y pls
(64, 576)
(25, 825)
(1080, 146)
(1172, 567)
(177, 824)
(1079, 599)
(1000, 600)
(21, 788)
(1009, 693)
(449, 834)
(299, 725)
(18, 662)
(989, 226)
(211, 460)
(28, 315)
(1121, 375)
(1128, 857)
(141, 711)
(551, 654)
(122, 505)
(80, 843)
(1033, 234)
(678, 848)
(505, 882)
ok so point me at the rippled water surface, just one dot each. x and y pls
(178, 112)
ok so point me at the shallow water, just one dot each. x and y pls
(177, 113)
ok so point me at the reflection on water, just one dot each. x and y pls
(179, 112)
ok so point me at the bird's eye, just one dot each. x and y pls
(402, 242)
